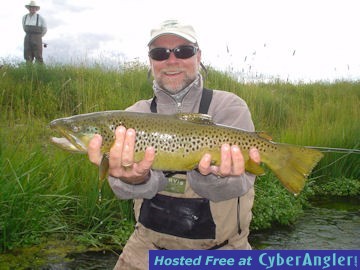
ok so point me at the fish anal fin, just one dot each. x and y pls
(254, 168)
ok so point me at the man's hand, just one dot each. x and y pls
(232, 162)
(121, 157)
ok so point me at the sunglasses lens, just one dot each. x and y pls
(159, 54)
(181, 52)
(184, 52)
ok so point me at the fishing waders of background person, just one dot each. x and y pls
(35, 28)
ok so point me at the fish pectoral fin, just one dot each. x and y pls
(197, 118)
(254, 168)
(104, 167)
(103, 170)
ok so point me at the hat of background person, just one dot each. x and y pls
(32, 4)
(174, 27)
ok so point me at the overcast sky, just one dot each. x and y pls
(305, 40)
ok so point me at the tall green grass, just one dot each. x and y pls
(46, 192)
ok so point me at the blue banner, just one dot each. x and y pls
(254, 259)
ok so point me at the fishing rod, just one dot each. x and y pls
(344, 151)
(334, 150)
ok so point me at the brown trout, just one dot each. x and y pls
(181, 140)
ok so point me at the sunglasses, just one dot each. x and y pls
(181, 52)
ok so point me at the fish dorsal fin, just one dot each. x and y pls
(264, 135)
(197, 118)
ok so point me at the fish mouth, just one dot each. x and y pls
(69, 141)
(66, 145)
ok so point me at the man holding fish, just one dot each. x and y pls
(205, 208)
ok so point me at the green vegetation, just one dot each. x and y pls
(46, 192)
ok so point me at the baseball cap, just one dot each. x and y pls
(174, 27)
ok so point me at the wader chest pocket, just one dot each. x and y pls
(183, 217)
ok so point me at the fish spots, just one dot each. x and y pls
(182, 138)
(92, 129)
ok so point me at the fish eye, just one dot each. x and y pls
(75, 128)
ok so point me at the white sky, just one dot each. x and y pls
(306, 40)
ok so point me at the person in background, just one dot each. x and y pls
(35, 28)
(207, 208)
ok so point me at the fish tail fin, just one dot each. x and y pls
(103, 170)
(293, 164)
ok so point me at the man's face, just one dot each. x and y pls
(174, 74)
(32, 10)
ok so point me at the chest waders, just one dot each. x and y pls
(33, 41)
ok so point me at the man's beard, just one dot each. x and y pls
(175, 86)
